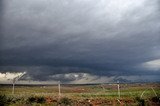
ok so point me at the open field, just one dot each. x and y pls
(82, 95)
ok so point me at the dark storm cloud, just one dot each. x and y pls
(105, 38)
(1, 8)
(1, 12)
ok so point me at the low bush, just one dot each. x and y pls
(65, 101)
(155, 99)
(141, 102)
(4, 100)
(41, 100)
(36, 99)
(31, 99)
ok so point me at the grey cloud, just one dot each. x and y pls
(105, 38)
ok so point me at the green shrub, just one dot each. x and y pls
(41, 100)
(65, 101)
(4, 101)
(141, 102)
(31, 99)
(35, 99)
(155, 99)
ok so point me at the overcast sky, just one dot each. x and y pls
(87, 40)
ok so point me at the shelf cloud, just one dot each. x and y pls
(104, 38)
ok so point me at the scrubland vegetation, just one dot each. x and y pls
(82, 95)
